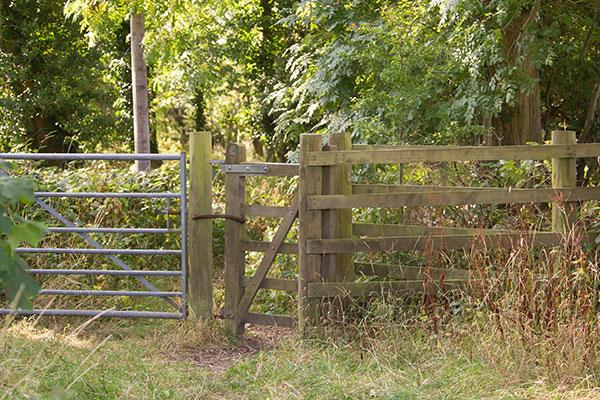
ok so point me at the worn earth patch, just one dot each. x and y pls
(255, 339)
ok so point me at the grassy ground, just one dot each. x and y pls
(174, 360)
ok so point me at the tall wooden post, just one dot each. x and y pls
(337, 224)
(564, 176)
(139, 86)
(311, 183)
(235, 190)
(200, 230)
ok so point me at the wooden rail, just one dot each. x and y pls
(262, 247)
(361, 289)
(404, 154)
(452, 198)
(256, 210)
(375, 230)
(288, 285)
(410, 272)
(440, 242)
(370, 188)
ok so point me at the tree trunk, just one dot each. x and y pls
(522, 122)
(265, 63)
(586, 132)
(139, 82)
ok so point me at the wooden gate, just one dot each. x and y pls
(240, 290)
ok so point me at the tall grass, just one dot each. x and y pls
(536, 310)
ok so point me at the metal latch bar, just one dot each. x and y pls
(246, 169)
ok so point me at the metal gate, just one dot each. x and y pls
(175, 299)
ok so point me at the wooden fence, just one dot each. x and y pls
(328, 239)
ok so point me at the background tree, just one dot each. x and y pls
(52, 92)
(139, 87)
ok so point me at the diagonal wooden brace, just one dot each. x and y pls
(266, 263)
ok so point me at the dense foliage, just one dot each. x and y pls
(15, 230)
(426, 71)
(55, 93)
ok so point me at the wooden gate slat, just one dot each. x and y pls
(266, 263)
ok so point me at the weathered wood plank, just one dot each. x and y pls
(257, 210)
(200, 280)
(362, 146)
(262, 247)
(409, 272)
(271, 320)
(360, 289)
(564, 175)
(375, 230)
(235, 190)
(309, 267)
(266, 262)
(405, 154)
(420, 199)
(441, 242)
(374, 188)
(289, 285)
(338, 223)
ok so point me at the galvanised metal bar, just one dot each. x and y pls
(66, 292)
(95, 313)
(95, 244)
(104, 195)
(183, 211)
(99, 249)
(89, 156)
(59, 250)
(113, 272)
(60, 229)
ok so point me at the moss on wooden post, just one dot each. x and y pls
(342, 219)
(309, 270)
(564, 176)
(235, 190)
(200, 230)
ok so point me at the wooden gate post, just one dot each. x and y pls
(337, 224)
(200, 231)
(564, 176)
(309, 267)
(235, 193)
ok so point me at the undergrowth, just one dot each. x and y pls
(527, 314)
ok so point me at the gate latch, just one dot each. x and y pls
(235, 218)
(245, 169)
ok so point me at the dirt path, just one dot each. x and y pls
(255, 339)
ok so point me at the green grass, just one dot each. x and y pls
(155, 360)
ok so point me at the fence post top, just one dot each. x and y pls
(559, 136)
(235, 151)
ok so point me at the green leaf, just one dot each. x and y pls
(20, 287)
(16, 190)
(30, 232)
